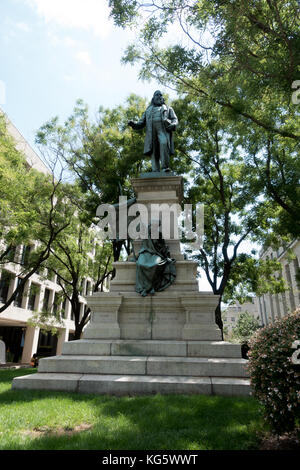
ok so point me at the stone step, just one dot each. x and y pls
(133, 384)
(150, 365)
(94, 347)
(146, 332)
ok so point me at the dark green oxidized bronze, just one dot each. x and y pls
(155, 270)
(160, 121)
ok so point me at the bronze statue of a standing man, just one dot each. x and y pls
(160, 121)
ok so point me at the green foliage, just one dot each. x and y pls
(245, 327)
(24, 194)
(104, 154)
(223, 182)
(251, 275)
(274, 379)
(46, 322)
(76, 254)
(33, 213)
(242, 57)
(233, 63)
(123, 10)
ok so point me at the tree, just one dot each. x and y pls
(207, 151)
(77, 256)
(227, 187)
(103, 155)
(235, 53)
(245, 327)
(31, 210)
(242, 56)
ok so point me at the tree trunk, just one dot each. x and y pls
(218, 317)
(117, 247)
(78, 331)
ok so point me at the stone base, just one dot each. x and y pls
(165, 343)
(133, 384)
(167, 315)
(137, 367)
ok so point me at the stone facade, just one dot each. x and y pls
(273, 306)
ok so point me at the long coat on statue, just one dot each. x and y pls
(168, 117)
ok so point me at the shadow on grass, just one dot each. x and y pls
(155, 422)
(184, 422)
(167, 422)
(7, 375)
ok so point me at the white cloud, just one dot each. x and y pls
(23, 27)
(84, 57)
(68, 78)
(91, 15)
(65, 41)
(69, 42)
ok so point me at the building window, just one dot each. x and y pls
(19, 297)
(56, 303)
(47, 345)
(233, 319)
(63, 308)
(50, 275)
(4, 285)
(25, 254)
(11, 254)
(46, 300)
(34, 288)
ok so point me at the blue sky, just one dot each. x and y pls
(55, 51)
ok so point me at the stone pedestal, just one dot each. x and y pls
(162, 343)
(156, 191)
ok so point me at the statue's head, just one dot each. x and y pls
(158, 98)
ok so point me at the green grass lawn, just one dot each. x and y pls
(42, 420)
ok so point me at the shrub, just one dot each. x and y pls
(245, 327)
(274, 379)
(244, 330)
